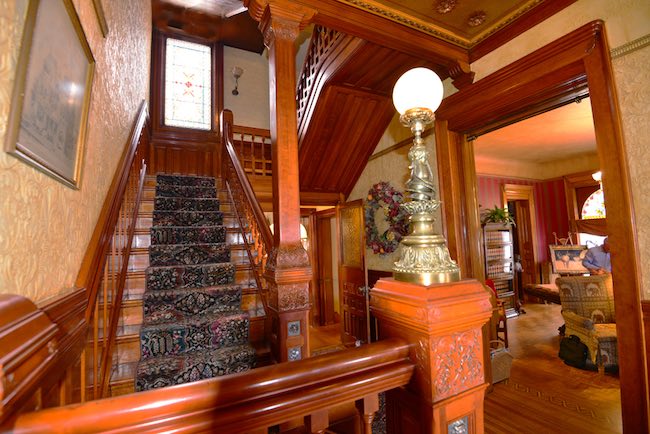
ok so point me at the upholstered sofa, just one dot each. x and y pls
(588, 311)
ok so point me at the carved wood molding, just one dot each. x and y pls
(461, 74)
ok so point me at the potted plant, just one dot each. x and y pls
(497, 215)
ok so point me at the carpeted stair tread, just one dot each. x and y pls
(180, 304)
(193, 324)
(198, 181)
(194, 334)
(188, 254)
(189, 276)
(187, 218)
(185, 204)
(186, 191)
(188, 234)
(161, 372)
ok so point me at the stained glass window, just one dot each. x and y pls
(188, 85)
(594, 206)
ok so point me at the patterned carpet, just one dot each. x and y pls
(193, 326)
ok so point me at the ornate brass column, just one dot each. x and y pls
(424, 257)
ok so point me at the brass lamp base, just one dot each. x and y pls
(424, 258)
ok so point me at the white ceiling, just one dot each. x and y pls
(559, 134)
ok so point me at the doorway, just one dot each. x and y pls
(550, 77)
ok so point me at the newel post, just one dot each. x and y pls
(443, 322)
(288, 271)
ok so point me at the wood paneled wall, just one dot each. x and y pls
(184, 158)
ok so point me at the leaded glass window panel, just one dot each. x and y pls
(594, 206)
(188, 85)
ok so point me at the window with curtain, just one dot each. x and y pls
(188, 85)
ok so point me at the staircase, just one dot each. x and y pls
(190, 299)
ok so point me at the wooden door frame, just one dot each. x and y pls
(317, 218)
(524, 192)
(570, 68)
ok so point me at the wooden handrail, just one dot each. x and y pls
(243, 402)
(89, 276)
(245, 204)
(104, 269)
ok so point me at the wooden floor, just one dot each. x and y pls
(325, 339)
(543, 395)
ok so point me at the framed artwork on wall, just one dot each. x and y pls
(567, 259)
(51, 97)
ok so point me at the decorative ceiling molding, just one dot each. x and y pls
(438, 31)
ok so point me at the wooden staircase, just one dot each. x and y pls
(126, 353)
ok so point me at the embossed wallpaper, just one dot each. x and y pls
(45, 226)
(633, 87)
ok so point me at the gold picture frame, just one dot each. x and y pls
(101, 17)
(49, 109)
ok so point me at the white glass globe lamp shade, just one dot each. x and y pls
(597, 176)
(417, 88)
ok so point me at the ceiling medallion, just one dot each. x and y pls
(476, 19)
(445, 6)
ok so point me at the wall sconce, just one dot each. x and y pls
(236, 73)
(424, 257)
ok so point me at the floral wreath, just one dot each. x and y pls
(396, 217)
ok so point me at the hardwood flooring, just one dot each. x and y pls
(543, 395)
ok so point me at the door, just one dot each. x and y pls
(326, 287)
(526, 229)
(352, 273)
(525, 241)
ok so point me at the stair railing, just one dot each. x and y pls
(245, 205)
(246, 402)
(326, 50)
(253, 145)
(105, 266)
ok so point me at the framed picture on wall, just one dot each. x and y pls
(567, 259)
(51, 97)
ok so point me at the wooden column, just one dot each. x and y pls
(288, 270)
(443, 322)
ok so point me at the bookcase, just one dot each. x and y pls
(500, 265)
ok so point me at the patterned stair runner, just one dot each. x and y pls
(193, 327)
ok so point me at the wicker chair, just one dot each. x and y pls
(588, 311)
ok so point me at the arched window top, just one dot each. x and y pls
(594, 206)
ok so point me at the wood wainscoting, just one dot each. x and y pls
(199, 159)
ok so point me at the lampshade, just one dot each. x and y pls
(597, 176)
(417, 88)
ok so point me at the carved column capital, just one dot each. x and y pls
(280, 19)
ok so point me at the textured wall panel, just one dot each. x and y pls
(45, 226)
(633, 86)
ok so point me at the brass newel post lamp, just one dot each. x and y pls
(424, 257)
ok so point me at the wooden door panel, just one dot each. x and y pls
(352, 273)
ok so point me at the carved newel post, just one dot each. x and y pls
(288, 271)
(426, 303)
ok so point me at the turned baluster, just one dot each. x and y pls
(317, 422)
(367, 407)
